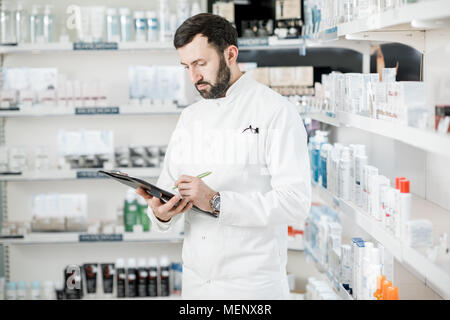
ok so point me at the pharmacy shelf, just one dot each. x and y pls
(399, 18)
(36, 48)
(433, 275)
(328, 118)
(58, 111)
(59, 175)
(80, 238)
(270, 43)
(423, 139)
(393, 25)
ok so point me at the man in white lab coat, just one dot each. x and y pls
(254, 143)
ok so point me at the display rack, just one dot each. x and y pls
(402, 25)
(430, 273)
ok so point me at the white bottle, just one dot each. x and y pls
(11, 291)
(360, 162)
(49, 291)
(405, 207)
(344, 175)
(152, 26)
(195, 9)
(21, 291)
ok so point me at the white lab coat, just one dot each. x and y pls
(243, 253)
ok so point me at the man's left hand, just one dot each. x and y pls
(196, 191)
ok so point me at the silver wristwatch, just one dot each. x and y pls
(215, 204)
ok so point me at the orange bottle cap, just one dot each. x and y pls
(386, 284)
(397, 182)
(392, 293)
(404, 186)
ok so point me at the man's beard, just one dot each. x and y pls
(222, 82)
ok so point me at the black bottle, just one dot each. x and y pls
(165, 276)
(131, 278)
(121, 278)
(152, 277)
(142, 284)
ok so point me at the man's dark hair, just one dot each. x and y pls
(218, 30)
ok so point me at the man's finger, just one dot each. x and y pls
(184, 178)
(169, 204)
(143, 193)
(181, 206)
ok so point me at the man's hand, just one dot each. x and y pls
(196, 191)
(165, 211)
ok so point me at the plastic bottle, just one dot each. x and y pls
(386, 285)
(392, 293)
(164, 21)
(131, 278)
(11, 291)
(177, 270)
(152, 277)
(405, 207)
(152, 26)
(125, 24)
(121, 278)
(182, 11)
(130, 210)
(378, 293)
(21, 292)
(142, 278)
(7, 23)
(396, 210)
(21, 19)
(35, 290)
(344, 175)
(143, 218)
(140, 26)
(49, 24)
(112, 25)
(164, 276)
(195, 8)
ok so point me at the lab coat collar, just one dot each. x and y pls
(235, 89)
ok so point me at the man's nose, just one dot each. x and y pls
(194, 75)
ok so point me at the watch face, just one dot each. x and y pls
(216, 203)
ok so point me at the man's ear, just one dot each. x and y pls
(231, 54)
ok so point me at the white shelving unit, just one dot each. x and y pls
(401, 25)
(423, 139)
(432, 274)
(423, 26)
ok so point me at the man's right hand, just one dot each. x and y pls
(165, 211)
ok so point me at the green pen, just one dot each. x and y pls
(201, 175)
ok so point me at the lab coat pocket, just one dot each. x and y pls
(248, 149)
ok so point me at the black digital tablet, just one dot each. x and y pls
(151, 189)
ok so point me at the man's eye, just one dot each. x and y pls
(186, 67)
